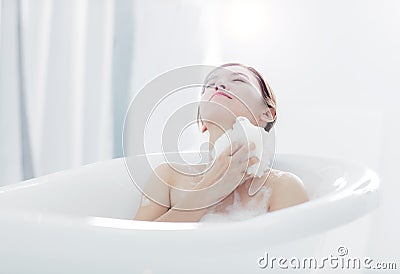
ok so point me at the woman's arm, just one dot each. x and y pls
(176, 215)
(156, 187)
(288, 190)
(207, 192)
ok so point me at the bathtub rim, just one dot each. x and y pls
(361, 196)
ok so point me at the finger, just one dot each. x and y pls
(252, 145)
(251, 160)
(232, 148)
(248, 177)
(247, 163)
(242, 153)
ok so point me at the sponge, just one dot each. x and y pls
(245, 132)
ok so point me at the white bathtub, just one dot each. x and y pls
(79, 221)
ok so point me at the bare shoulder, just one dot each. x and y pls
(173, 171)
(158, 184)
(164, 172)
(287, 190)
(155, 199)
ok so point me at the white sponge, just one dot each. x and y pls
(245, 132)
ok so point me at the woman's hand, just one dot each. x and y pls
(231, 165)
(226, 174)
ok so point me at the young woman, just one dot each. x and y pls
(231, 90)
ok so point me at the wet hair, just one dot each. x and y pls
(266, 91)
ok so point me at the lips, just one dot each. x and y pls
(222, 93)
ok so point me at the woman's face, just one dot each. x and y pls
(230, 92)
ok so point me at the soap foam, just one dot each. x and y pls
(237, 211)
(245, 132)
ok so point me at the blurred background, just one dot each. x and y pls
(69, 69)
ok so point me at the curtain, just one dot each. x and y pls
(64, 84)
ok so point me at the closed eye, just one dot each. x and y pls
(239, 80)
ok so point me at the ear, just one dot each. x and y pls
(268, 115)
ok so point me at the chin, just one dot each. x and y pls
(218, 114)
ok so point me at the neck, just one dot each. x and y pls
(215, 132)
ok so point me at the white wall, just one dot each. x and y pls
(168, 34)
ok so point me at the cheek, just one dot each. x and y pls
(248, 101)
(247, 107)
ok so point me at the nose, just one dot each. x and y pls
(219, 85)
